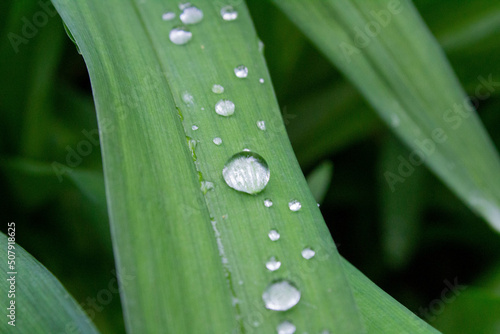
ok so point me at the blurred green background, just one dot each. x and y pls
(413, 242)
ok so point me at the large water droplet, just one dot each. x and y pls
(228, 13)
(168, 16)
(294, 205)
(217, 141)
(224, 108)
(268, 203)
(180, 35)
(273, 264)
(281, 296)
(246, 172)
(191, 15)
(261, 125)
(217, 89)
(286, 327)
(273, 235)
(308, 253)
(241, 71)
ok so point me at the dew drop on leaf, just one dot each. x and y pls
(241, 71)
(194, 127)
(281, 296)
(217, 89)
(268, 203)
(191, 15)
(168, 16)
(217, 141)
(273, 235)
(246, 172)
(286, 327)
(180, 35)
(228, 13)
(308, 253)
(261, 80)
(224, 108)
(294, 205)
(261, 125)
(273, 264)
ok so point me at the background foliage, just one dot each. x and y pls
(409, 242)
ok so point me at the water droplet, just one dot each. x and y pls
(194, 127)
(281, 296)
(206, 186)
(286, 327)
(268, 203)
(261, 46)
(273, 264)
(224, 108)
(261, 125)
(191, 15)
(241, 71)
(217, 89)
(228, 13)
(217, 141)
(294, 205)
(180, 35)
(246, 172)
(168, 16)
(261, 80)
(273, 235)
(326, 331)
(188, 98)
(308, 253)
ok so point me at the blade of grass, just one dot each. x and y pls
(166, 231)
(42, 305)
(400, 69)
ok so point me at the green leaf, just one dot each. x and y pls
(384, 48)
(319, 180)
(42, 305)
(199, 256)
(381, 313)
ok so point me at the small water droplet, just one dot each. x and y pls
(191, 15)
(261, 125)
(202, 108)
(217, 141)
(206, 186)
(326, 331)
(268, 203)
(194, 127)
(273, 235)
(241, 71)
(308, 253)
(168, 16)
(281, 296)
(188, 98)
(273, 264)
(228, 13)
(286, 327)
(217, 89)
(180, 35)
(294, 205)
(224, 108)
(261, 80)
(246, 172)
